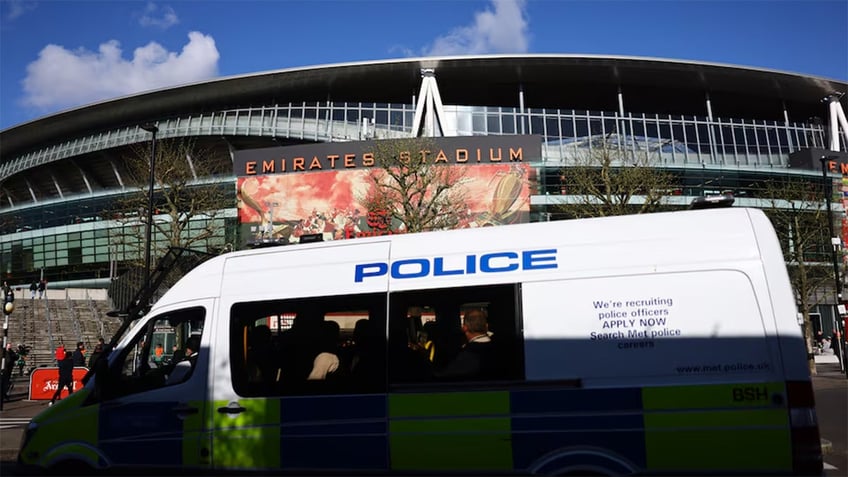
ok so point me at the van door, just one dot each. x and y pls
(152, 407)
(280, 309)
(306, 375)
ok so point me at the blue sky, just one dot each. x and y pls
(56, 55)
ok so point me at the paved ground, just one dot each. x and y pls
(831, 389)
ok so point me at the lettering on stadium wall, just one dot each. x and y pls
(354, 155)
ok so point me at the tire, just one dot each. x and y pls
(71, 467)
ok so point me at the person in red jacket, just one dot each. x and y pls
(66, 377)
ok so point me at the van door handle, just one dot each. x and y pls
(185, 410)
(232, 408)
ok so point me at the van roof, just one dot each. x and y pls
(658, 239)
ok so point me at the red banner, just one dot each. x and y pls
(287, 206)
(43, 382)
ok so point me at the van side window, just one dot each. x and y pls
(325, 345)
(144, 364)
(469, 334)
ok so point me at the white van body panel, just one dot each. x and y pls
(620, 341)
(725, 280)
(204, 281)
(297, 271)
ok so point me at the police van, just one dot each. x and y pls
(662, 343)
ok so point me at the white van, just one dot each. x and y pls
(662, 343)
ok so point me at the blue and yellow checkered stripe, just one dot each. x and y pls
(704, 428)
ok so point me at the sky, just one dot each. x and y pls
(61, 54)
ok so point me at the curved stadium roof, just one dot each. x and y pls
(580, 82)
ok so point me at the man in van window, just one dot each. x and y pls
(192, 347)
(476, 359)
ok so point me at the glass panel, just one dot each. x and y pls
(143, 365)
(536, 125)
(493, 124)
(552, 132)
(327, 345)
(381, 117)
(582, 127)
(466, 334)
(508, 123)
(478, 123)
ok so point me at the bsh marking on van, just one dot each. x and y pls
(750, 393)
(496, 262)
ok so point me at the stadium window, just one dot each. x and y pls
(508, 123)
(493, 123)
(382, 117)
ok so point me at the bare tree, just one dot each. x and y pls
(796, 209)
(185, 210)
(608, 179)
(409, 189)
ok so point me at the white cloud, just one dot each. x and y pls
(63, 78)
(19, 7)
(502, 30)
(163, 18)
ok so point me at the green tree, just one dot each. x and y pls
(610, 179)
(797, 210)
(408, 189)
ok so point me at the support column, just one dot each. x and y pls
(521, 108)
(429, 111)
(836, 119)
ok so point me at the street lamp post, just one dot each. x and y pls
(153, 129)
(835, 243)
(6, 373)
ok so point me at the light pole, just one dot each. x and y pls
(835, 243)
(153, 129)
(8, 308)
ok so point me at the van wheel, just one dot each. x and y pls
(71, 467)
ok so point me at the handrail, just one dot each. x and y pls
(49, 324)
(75, 322)
(95, 313)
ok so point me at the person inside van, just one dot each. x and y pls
(192, 347)
(260, 357)
(476, 359)
(180, 370)
(327, 361)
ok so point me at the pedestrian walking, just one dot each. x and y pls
(79, 354)
(21, 365)
(33, 287)
(8, 293)
(42, 288)
(99, 348)
(6, 379)
(66, 377)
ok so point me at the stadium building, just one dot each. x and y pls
(716, 127)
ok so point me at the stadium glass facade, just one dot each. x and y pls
(56, 191)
